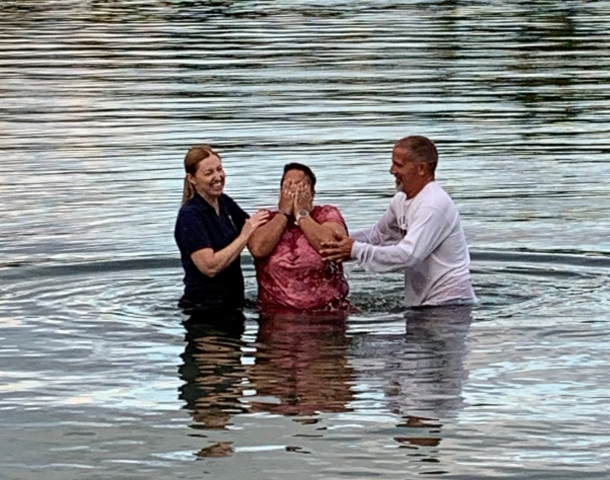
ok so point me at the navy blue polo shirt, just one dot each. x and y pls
(199, 226)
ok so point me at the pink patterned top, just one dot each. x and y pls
(294, 275)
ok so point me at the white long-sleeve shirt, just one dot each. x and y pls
(423, 236)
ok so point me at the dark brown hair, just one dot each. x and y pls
(303, 168)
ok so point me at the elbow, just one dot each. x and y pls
(207, 262)
(258, 250)
(210, 271)
(258, 255)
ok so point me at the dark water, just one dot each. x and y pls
(99, 101)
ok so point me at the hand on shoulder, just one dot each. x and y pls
(258, 219)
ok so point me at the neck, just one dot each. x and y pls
(213, 201)
(418, 188)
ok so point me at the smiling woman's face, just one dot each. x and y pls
(209, 179)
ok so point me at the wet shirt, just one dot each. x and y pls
(199, 226)
(294, 275)
(424, 237)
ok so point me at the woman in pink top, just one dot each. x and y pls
(289, 269)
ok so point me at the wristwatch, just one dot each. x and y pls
(301, 215)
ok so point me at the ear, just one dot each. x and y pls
(422, 169)
(190, 179)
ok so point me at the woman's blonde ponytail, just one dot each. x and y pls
(189, 190)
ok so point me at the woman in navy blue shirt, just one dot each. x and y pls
(211, 231)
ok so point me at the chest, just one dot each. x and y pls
(404, 213)
(295, 252)
(221, 227)
(294, 240)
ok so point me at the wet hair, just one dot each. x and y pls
(193, 158)
(303, 168)
(419, 150)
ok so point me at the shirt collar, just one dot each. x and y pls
(202, 203)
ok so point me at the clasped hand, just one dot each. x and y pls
(294, 197)
(297, 196)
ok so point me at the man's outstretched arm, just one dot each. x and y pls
(427, 232)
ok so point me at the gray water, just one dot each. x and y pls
(99, 101)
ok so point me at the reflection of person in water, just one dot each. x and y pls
(301, 361)
(421, 372)
(212, 372)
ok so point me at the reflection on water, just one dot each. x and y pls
(306, 366)
(212, 368)
(213, 373)
(301, 366)
(434, 394)
(420, 372)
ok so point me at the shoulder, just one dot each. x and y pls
(228, 201)
(190, 209)
(232, 205)
(435, 203)
(327, 213)
(325, 209)
(435, 196)
(193, 222)
(399, 197)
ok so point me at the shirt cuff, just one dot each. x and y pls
(357, 248)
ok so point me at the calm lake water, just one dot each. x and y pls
(99, 101)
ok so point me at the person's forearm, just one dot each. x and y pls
(265, 238)
(380, 259)
(365, 235)
(425, 235)
(225, 257)
(375, 236)
(316, 233)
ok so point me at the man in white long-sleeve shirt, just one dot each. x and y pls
(420, 232)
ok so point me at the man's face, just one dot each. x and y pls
(406, 172)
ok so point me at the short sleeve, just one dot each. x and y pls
(329, 213)
(191, 232)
